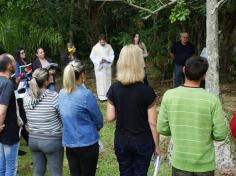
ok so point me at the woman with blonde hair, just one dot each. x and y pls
(81, 119)
(132, 104)
(45, 127)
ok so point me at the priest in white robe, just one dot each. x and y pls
(102, 56)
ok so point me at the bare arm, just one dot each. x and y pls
(3, 112)
(152, 120)
(111, 115)
(145, 53)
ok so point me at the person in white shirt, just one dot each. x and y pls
(102, 56)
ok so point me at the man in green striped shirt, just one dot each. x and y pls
(193, 118)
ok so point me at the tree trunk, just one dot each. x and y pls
(223, 149)
(212, 78)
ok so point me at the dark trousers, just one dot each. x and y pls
(177, 172)
(83, 160)
(145, 80)
(133, 156)
(178, 75)
(24, 132)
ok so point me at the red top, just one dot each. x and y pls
(233, 125)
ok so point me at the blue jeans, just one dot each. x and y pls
(178, 75)
(133, 157)
(8, 159)
(47, 150)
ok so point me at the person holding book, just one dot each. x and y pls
(23, 69)
(102, 56)
(41, 62)
(22, 76)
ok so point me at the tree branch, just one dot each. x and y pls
(161, 8)
(218, 5)
(102, 5)
(161, 2)
(140, 8)
(151, 12)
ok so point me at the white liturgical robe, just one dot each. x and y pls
(102, 58)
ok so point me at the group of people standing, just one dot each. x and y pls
(75, 108)
(17, 112)
(72, 118)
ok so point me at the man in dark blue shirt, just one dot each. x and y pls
(9, 129)
(180, 52)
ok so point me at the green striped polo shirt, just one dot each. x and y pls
(193, 118)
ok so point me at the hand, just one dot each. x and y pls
(103, 61)
(52, 71)
(20, 76)
(17, 80)
(2, 127)
(30, 71)
(157, 150)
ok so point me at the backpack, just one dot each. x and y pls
(233, 125)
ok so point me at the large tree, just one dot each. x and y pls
(223, 149)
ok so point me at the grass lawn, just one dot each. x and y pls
(107, 165)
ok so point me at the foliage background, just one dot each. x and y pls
(51, 24)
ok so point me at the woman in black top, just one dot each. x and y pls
(132, 104)
(41, 62)
(20, 57)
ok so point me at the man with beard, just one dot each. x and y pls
(9, 130)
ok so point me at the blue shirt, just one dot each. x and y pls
(81, 117)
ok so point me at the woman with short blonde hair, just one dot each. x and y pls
(132, 104)
(130, 65)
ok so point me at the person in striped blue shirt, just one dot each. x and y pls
(45, 126)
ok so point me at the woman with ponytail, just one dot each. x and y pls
(45, 127)
(81, 119)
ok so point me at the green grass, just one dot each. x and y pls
(107, 164)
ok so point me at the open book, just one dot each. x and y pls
(26, 68)
(52, 66)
